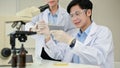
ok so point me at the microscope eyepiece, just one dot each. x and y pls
(42, 8)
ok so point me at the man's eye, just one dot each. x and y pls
(77, 13)
(71, 15)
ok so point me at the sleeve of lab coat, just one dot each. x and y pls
(39, 41)
(33, 22)
(98, 52)
(56, 50)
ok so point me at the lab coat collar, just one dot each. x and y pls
(45, 14)
(91, 33)
(60, 14)
(56, 13)
(86, 31)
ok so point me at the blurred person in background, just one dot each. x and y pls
(54, 15)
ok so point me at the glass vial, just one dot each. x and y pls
(22, 57)
(14, 59)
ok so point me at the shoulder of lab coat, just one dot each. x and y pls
(68, 25)
(37, 18)
(33, 22)
(63, 19)
(97, 48)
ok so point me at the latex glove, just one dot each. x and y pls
(43, 29)
(62, 36)
(34, 28)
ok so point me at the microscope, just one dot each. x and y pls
(19, 23)
(21, 35)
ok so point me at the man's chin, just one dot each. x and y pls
(78, 26)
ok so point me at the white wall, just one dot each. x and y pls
(7, 7)
(105, 12)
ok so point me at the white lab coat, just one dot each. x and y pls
(62, 20)
(97, 49)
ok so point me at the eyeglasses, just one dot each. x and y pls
(77, 13)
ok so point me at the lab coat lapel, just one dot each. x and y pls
(60, 19)
(60, 16)
(91, 34)
(45, 15)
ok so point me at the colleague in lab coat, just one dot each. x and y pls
(54, 15)
(92, 44)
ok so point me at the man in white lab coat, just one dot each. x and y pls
(91, 44)
(54, 15)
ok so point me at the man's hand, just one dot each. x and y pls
(61, 36)
(34, 28)
(43, 29)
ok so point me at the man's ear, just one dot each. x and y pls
(89, 12)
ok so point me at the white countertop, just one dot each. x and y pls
(39, 63)
(54, 64)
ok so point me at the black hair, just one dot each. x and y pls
(83, 4)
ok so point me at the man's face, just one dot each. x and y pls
(52, 3)
(79, 16)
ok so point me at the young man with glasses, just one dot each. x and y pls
(92, 44)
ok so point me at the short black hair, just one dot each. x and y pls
(83, 4)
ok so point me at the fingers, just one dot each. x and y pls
(42, 28)
(55, 31)
(34, 28)
(58, 32)
(42, 25)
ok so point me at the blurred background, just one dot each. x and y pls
(105, 12)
